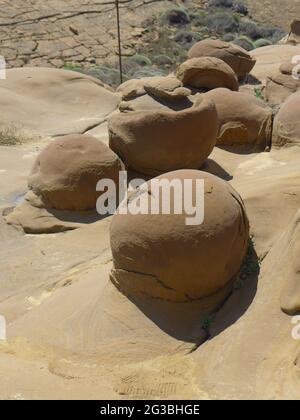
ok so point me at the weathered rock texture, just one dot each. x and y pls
(161, 257)
(157, 141)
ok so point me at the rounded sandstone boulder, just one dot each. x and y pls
(283, 83)
(160, 256)
(244, 119)
(236, 57)
(207, 73)
(67, 171)
(286, 129)
(157, 141)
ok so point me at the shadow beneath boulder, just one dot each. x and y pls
(251, 80)
(248, 149)
(214, 168)
(199, 320)
(241, 298)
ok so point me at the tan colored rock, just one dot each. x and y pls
(236, 57)
(157, 141)
(67, 171)
(161, 257)
(54, 102)
(132, 89)
(286, 129)
(244, 119)
(270, 58)
(207, 73)
(166, 88)
(282, 84)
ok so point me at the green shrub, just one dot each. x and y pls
(162, 60)
(141, 60)
(222, 22)
(262, 42)
(244, 42)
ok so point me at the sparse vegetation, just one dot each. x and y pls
(10, 136)
(259, 93)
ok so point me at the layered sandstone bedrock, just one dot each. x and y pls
(283, 83)
(67, 171)
(207, 73)
(286, 129)
(54, 102)
(157, 141)
(160, 256)
(236, 57)
(244, 119)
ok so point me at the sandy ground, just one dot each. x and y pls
(70, 334)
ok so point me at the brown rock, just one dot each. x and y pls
(67, 171)
(244, 119)
(286, 130)
(236, 57)
(207, 73)
(157, 141)
(282, 84)
(159, 256)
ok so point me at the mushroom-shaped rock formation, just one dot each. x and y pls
(207, 73)
(244, 119)
(67, 171)
(282, 84)
(236, 57)
(62, 185)
(286, 129)
(157, 141)
(160, 256)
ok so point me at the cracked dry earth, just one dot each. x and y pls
(55, 32)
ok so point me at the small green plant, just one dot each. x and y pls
(250, 268)
(207, 322)
(259, 93)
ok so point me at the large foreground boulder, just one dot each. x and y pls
(244, 119)
(160, 256)
(236, 57)
(54, 102)
(157, 141)
(286, 130)
(282, 84)
(207, 73)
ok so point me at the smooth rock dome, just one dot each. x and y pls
(67, 171)
(282, 84)
(157, 141)
(159, 256)
(236, 57)
(207, 73)
(244, 119)
(286, 129)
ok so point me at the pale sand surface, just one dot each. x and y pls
(72, 335)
